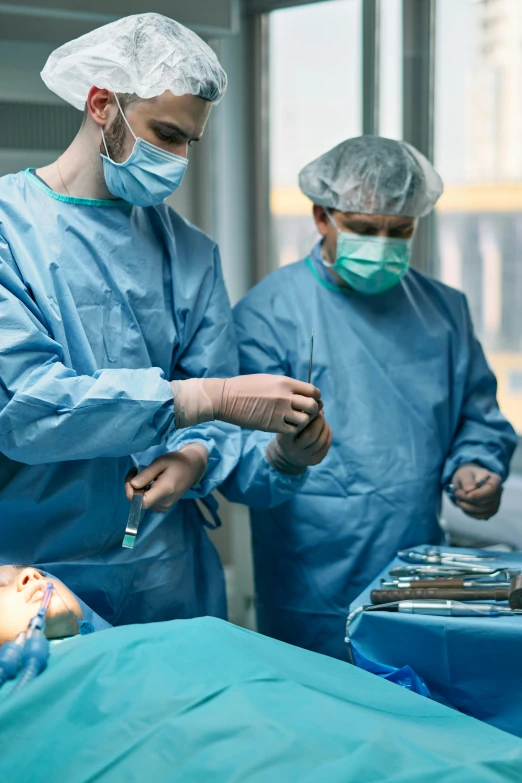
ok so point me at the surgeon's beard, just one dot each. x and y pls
(115, 136)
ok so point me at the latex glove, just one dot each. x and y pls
(294, 453)
(173, 475)
(477, 491)
(271, 403)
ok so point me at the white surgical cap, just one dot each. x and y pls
(373, 176)
(145, 54)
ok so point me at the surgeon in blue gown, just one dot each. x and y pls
(116, 335)
(410, 397)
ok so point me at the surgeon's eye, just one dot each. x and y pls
(405, 232)
(171, 138)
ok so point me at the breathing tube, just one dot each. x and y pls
(30, 650)
(393, 605)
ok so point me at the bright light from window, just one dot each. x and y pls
(315, 103)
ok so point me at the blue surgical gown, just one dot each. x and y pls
(409, 396)
(101, 304)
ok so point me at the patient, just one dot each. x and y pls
(21, 592)
(204, 700)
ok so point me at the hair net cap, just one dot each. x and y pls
(145, 54)
(373, 176)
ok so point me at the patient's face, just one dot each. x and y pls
(21, 593)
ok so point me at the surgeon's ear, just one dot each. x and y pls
(26, 577)
(321, 220)
(101, 106)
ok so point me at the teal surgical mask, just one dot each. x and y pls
(369, 264)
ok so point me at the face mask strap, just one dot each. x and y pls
(326, 262)
(330, 218)
(125, 118)
(126, 122)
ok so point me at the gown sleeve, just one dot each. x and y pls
(211, 353)
(483, 435)
(255, 482)
(49, 413)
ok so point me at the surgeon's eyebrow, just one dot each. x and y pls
(404, 226)
(359, 225)
(170, 129)
(362, 226)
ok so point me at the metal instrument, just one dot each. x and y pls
(133, 522)
(438, 608)
(450, 489)
(311, 358)
(385, 596)
(436, 556)
(457, 569)
(469, 584)
(453, 609)
(428, 591)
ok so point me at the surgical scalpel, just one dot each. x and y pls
(133, 522)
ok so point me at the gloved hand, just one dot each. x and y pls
(173, 475)
(272, 403)
(477, 491)
(294, 453)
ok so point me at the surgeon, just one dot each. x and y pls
(410, 396)
(117, 348)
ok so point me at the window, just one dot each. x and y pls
(478, 152)
(315, 103)
(390, 69)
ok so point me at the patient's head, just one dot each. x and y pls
(21, 591)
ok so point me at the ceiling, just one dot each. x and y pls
(58, 21)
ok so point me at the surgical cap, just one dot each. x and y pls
(145, 54)
(373, 176)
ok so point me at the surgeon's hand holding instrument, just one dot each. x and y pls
(451, 489)
(293, 453)
(270, 403)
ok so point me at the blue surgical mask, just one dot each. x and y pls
(149, 174)
(368, 264)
